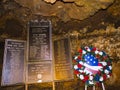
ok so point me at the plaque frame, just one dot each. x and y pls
(71, 65)
(41, 64)
(5, 60)
(38, 24)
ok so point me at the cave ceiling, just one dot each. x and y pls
(66, 9)
(63, 9)
(72, 14)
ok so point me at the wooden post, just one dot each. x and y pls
(85, 87)
(94, 87)
(53, 85)
(26, 86)
(103, 87)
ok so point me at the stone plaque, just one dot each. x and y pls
(13, 63)
(39, 65)
(40, 72)
(62, 59)
(39, 41)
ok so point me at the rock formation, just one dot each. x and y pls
(87, 22)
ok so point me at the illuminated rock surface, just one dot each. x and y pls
(88, 22)
(77, 9)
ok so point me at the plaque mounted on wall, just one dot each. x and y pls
(62, 59)
(39, 41)
(39, 63)
(14, 62)
(40, 72)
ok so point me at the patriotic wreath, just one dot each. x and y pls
(91, 65)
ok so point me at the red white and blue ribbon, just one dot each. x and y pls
(91, 65)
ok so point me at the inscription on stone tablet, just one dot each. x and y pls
(40, 42)
(40, 72)
(13, 66)
(62, 59)
(39, 65)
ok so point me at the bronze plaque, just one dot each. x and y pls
(13, 63)
(40, 72)
(62, 59)
(39, 40)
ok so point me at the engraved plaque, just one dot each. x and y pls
(39, 41)
(40, 72)
(62, 60)
(13, 64)
(39, 64)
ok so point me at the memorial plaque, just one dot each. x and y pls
(39, 65)
(39, 41)
(13, 63)
(40, 72)
(62, 59)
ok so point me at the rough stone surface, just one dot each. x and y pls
(82, 20)
(78, 9)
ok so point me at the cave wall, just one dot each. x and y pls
(107, 40)
(105, 36)
(100, 29)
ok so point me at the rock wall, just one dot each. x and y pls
(66, 11)
(107, 40)
(68, 19)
